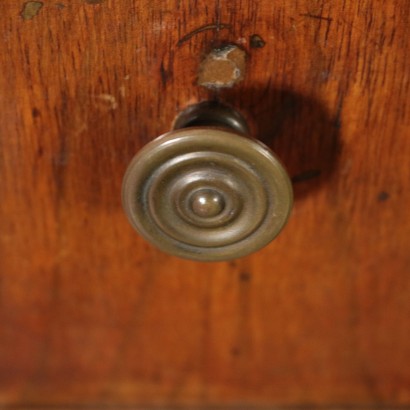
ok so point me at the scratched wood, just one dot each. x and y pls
(91, 314)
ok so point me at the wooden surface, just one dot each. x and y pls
(90, 313)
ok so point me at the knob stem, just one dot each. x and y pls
(212, 114)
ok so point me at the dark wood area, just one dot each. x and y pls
(90, 313)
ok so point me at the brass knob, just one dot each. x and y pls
(207, 193)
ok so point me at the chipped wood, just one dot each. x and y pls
(90, 314)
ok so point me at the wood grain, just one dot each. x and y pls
(90, 313)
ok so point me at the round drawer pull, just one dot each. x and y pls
(207, 193)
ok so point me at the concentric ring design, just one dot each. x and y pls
(207, 194)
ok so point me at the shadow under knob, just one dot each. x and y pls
(207, 193)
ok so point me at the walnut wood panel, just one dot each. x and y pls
(90, 313)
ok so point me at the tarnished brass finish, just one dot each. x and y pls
(207, 193)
